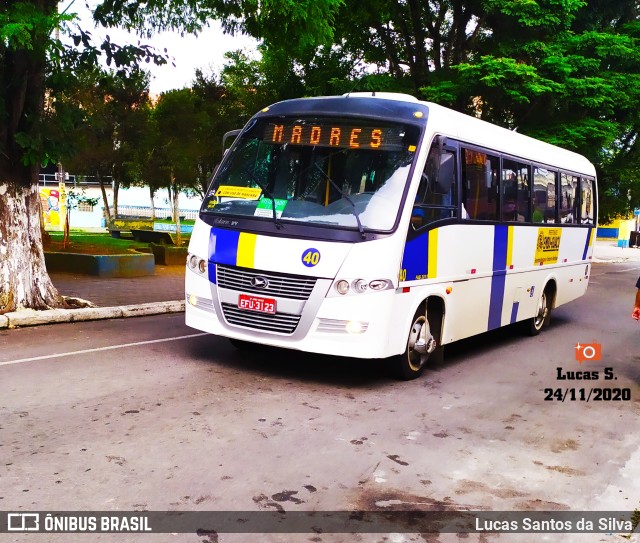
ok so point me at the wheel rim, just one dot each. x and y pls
(541, 312)
(415, 359)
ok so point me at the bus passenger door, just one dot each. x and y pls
(437, 193)
(435, 205)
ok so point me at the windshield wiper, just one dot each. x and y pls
(268, 194)
(346, 197)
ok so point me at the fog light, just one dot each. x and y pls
(342, 286)
(193, 300)
(355, 327)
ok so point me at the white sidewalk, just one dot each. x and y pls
(608, 251)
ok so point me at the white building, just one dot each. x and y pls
(132, 202)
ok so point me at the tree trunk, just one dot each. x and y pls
(104, 197)
(116, 190)
(24, 281)
(153, 205)
(175, 193)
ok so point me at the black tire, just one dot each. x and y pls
(535, 324)
(411, 364)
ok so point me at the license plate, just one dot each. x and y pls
(256, 303)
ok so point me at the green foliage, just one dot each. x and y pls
(107, 114)
(544, 14)
(518, 81)
(22, 25)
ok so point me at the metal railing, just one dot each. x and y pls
(144, 212)
(45, 179)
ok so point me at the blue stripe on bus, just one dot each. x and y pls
(414, 259)
(586, 244)
(226, 247)
(211, 266)
(498, 280)
(514, 312)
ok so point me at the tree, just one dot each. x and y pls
(111, 110)
(29, 53)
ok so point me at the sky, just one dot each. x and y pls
(205, 51)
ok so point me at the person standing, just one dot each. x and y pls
(636, 308)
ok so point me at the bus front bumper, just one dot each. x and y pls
(358, 326)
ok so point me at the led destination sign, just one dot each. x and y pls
(337, 135)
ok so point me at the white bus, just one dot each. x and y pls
(374, 225)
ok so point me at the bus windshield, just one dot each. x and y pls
(325, 171)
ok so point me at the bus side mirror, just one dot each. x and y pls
(231, 134)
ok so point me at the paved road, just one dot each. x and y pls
(148, 414)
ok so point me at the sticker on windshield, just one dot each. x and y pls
(310, 257)
(246, 193)
(265, 207)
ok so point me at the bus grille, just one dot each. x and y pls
(280, 322)
(295, 287)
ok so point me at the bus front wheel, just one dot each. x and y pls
(542, 316)
(412, 362)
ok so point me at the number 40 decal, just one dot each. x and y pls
(310, 257)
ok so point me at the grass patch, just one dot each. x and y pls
(93, 244)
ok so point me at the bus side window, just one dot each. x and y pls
(436, 198)
(516, 195)
(586, 201)
(480, 185)
(544, 195)
(568, 209)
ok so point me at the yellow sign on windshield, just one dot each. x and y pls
(245, 193)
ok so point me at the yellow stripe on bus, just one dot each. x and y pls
(510, 247)
(593, 231)
(246, 250)
(433, 254)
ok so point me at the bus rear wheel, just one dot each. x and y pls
(412, 362)
(535, 324)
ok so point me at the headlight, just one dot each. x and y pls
(361, 286)
(342, 286)
(196, 264)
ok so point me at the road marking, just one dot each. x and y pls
(98, 349)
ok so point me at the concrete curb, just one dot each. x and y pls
(31, 317)
(122, 265)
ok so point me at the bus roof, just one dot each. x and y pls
(478, 132)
